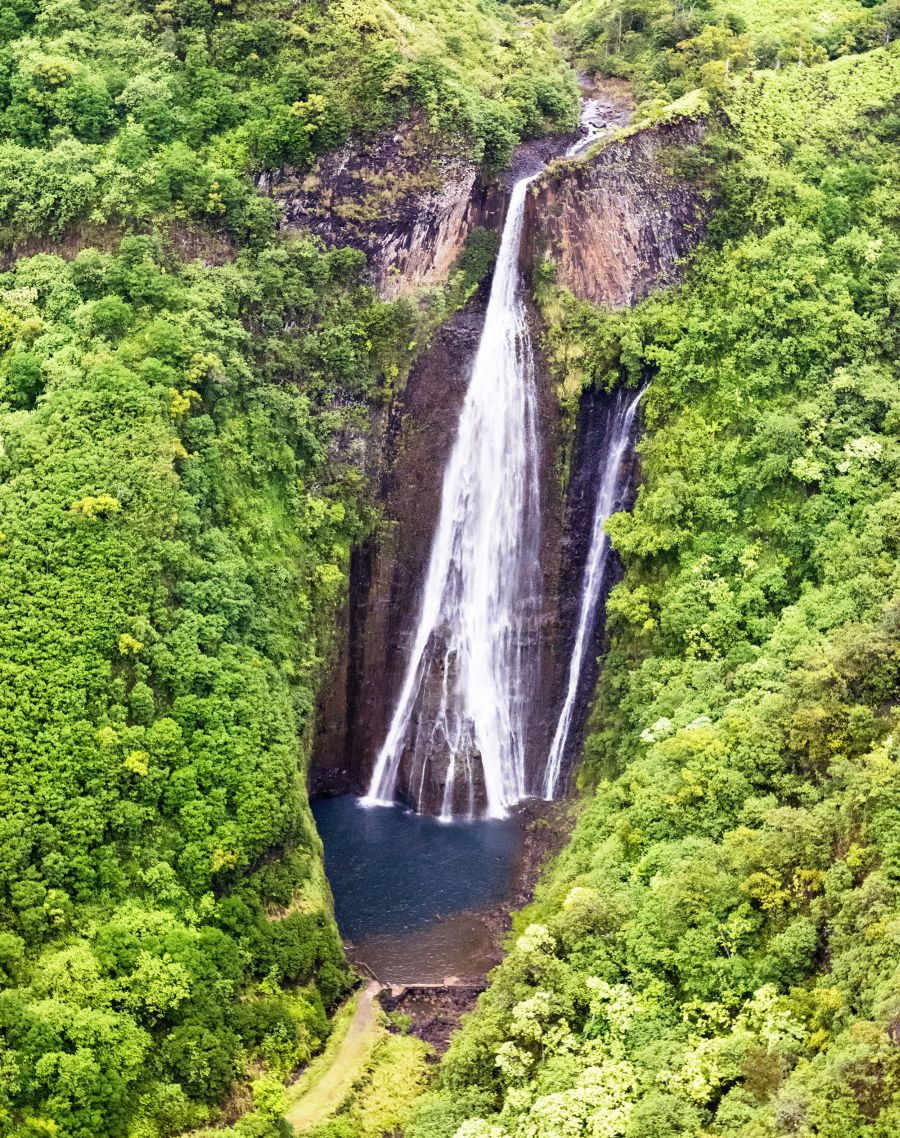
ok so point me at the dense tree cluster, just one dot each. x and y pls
(123, 111)
(667, 48)
(715, 952)
(174, 534)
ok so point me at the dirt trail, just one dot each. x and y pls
(327, 1082)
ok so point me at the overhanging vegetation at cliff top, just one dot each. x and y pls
(123, 113)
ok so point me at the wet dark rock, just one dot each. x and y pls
(594, 432)
(387, 571)
(434, 1010)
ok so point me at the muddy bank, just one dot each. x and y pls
(547, 826)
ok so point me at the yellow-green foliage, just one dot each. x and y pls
(765, 19)
(383, 1095)
(775, 113)
(667, 48)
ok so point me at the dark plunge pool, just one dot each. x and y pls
(409, 890)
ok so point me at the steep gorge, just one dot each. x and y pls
(614, 225)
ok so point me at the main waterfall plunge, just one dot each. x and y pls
(464, 692)
(458, 736)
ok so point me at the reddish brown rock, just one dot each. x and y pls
(615, 224)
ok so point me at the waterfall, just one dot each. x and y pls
(609, 487)
(463, 698)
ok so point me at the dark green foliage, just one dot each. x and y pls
(473, 266)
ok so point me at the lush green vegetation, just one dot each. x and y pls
(715, 952)
(666, 49)
(121, 113)
(174, 536)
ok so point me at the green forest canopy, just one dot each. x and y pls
(714, 951)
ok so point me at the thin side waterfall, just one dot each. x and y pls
(460, 717)
(623, 413)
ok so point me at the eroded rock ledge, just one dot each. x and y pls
(615, 224)
(406, 198)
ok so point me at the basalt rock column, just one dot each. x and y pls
(612, 483)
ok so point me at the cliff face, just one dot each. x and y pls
(387, 571)
(615, 224)
(402, 197)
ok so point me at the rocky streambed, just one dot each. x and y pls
(614, 222)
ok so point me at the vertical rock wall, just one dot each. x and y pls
(405, 197)
(387, 571)
(615, 226)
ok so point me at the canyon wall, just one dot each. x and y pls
(402, 197)
(387, 571)
(616, 223)
(615, 226)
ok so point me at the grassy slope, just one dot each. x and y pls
(667, 49)
(329, 1079)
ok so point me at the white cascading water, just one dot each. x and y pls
(592, 124)
(463, 697)
(618, 438)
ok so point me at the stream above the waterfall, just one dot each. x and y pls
(411, 893)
